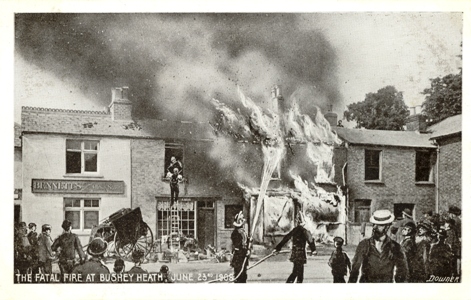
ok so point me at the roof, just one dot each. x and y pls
(449, 126)
(100, 123)
(17, 138)
(384, 137)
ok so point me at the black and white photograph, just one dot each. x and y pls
(218, 147)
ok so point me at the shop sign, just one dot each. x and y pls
(77, 186)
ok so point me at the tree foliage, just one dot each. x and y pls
(383, 110)
(443, 99)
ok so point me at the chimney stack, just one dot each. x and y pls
(120, 106)
(331, 117)
(277, 100)
(416, 121)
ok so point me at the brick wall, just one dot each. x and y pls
(223, 239)
(398, 181)
(121, 110)
(449, 173)
(147, 163)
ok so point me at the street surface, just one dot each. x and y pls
(275, 269)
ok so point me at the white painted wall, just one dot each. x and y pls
(44, 158)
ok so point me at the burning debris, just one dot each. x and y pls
(275, 131)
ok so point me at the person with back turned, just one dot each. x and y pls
(300, 236)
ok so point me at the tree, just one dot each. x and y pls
(383, 110)
(443, 98)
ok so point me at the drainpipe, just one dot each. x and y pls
(346, 202)
(436, 179)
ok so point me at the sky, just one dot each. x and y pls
(174, 64)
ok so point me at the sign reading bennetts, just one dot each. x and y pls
(77, 186)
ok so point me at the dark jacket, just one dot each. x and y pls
(379, 267)
(410, 250)
(239, 246)
(69, 243)
(93, 266)
(300, 236)
(440, 260)
(422, 259)
(339, 262)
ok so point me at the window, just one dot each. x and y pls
(423, 166)
(83, 213)
(184, 211)
(173, 150)
(230, 211)
(81, 156)
(362, 210)
(399, 208)
(373, 164)
(206, 204)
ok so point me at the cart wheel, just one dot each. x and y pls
(124, 251)
(145, 242)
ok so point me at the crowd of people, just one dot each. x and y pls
(34, 254)
(406, 251)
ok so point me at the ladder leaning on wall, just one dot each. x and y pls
(174, 228)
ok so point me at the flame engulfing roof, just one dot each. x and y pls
(449, 126)
(385, 138)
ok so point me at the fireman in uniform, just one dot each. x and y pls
(240, 249)
(300, 236)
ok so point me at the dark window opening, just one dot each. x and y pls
(230, 211)
(399, 207)
(81, 156)
(372, 164)
(173, 150)
(362, 210)
(423, 166)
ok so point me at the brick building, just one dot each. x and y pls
(447, 136)
(86, 165)
(18, 175)
(385, 170)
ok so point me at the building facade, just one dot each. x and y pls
(86, 165)
(390, 170)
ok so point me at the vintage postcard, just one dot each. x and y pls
(209, 148)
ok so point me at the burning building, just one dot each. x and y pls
(297, 171)
(85, 165)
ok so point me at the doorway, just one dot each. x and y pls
(205, 223)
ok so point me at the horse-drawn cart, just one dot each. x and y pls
(127, 231)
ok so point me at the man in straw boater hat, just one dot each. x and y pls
(94, 265)
(381, 259)
(298, 257)
(240, 251)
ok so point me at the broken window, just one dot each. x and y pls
(372, 164)
(230, 211)
(362, 210)
(173, 150)
(423, 166)
(81, 156)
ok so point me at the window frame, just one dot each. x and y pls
(82, 209)
(430, 166)
(83, 151)
(176, 146)
(380, 165)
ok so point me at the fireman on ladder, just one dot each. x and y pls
(240, 249)
(175, 180)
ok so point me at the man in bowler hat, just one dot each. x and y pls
(94, 265)
(380, 258)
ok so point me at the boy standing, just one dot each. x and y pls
(339, 261)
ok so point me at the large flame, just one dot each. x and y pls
(264, 126)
